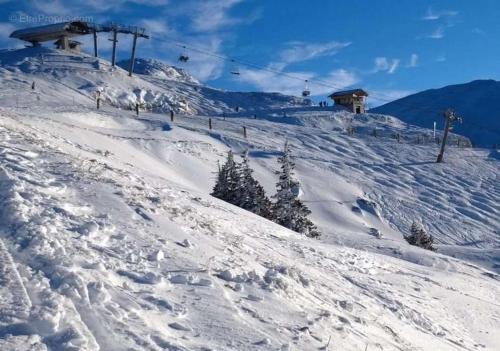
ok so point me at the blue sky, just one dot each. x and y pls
(391, 48)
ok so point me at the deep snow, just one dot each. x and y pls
(110, 241)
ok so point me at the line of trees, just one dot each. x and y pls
(236, 184)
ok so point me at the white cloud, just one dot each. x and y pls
(441, 58)
(432, 15)
(285, 84)
(214, 15)
(383, 64)
(6, 29)
(59, 7)
(478, 31)
(300, 51)
(445, 18)
(275, 79)
(437, 34)
(156, 27)
(341, 79)
(413, 60)
(393, 67)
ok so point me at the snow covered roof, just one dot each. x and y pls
(52, 31)
(358, 92)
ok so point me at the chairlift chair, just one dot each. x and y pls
(235, 70)
(306, 92)
(183, 56)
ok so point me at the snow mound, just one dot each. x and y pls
(158, 69)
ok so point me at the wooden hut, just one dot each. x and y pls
(353, 99)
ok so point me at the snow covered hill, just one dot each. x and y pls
(83, 74)
(474, 101)
(158, 69)
(110, 241)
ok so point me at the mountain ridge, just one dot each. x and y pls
(475, 101)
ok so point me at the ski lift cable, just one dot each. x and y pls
(262, 68)
(314, 81)
(250, 64)
(378, 96)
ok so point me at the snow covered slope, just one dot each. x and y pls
(110, 241)
(158, 69)
(83, 74)
(476, 102)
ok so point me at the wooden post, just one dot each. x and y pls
(244, 132)
(171, 115)
(98, 100)
(132, 57)
(137, 109)
(95, 44)
(210, 123)
(33, 85)
(113, 57)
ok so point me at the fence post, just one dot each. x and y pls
(137, 109)
(210, 123)
(244, 132)
(171, 115)
(98, 100)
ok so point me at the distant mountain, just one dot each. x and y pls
(476, 102)
(158, 69)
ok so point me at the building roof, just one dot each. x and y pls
(52, 31)
(72, 29)
(352, 92)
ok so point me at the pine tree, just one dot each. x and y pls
(419, 237)
(228, 181)
(252, 196)
(288, 210)
(220, 186)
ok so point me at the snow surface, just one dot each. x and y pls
(110, 241)
(158, 69)
(474, 101)
(86, 75)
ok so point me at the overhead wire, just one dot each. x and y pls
(315, 81)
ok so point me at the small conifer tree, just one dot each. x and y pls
(228, 181)
(288, 210)
(252, 196)
(419, 237)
